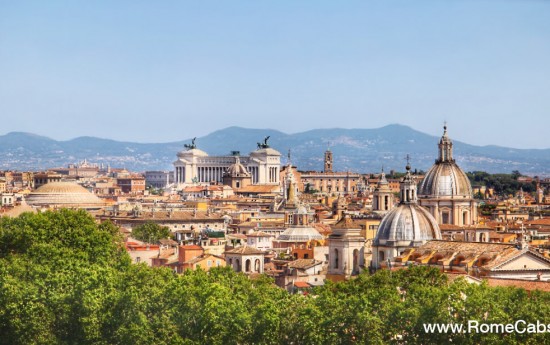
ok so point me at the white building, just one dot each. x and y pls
(346, 250)
(195, 166)
(159, 179)
(245, 259)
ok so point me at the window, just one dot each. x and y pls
(209, 263)
(445, 218)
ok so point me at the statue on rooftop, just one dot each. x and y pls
(192, 145)
(264, 145)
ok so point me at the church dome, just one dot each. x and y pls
(63, 194)
(445, 178)
(407, 222)
(237, 169)
(300, 234)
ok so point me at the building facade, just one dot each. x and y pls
(195, 166)
(346, 250)
(159, 179)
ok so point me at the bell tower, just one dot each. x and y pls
(328, 161)
(382, 200)
(445, 147)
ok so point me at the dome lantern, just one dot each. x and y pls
(445, 148)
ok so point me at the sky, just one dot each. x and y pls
(162, 71)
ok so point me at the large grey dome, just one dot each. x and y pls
(63, 194)
(300, 234)
(445, 178)
(407, 222)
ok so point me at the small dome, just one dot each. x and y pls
(445, 179)
(64, 194)
(300, 234)
(407, 222)
(237, 169)
(192, 152)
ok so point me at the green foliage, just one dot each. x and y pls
(503, 184)
(151, 232)
(66, 280)
(309, 189)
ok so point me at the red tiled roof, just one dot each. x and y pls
(258, 189)
(191, 247)
(244, 250)
(543, 221)
(303, 263)
(528, 285)
(258, 234)
(302, 285)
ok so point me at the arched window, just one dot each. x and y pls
(381, 256)
(257, 265)
(247, 267)
(445, 218)
(237, 265)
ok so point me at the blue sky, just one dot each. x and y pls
(159, 71)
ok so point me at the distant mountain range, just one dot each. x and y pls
(356, 150)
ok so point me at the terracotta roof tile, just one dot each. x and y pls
(244, 250)
(302, 285)
(528, 285)
(303, 263)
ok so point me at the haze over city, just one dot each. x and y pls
(150, 72)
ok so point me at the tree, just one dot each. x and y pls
(64, 279)
(151, 232)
